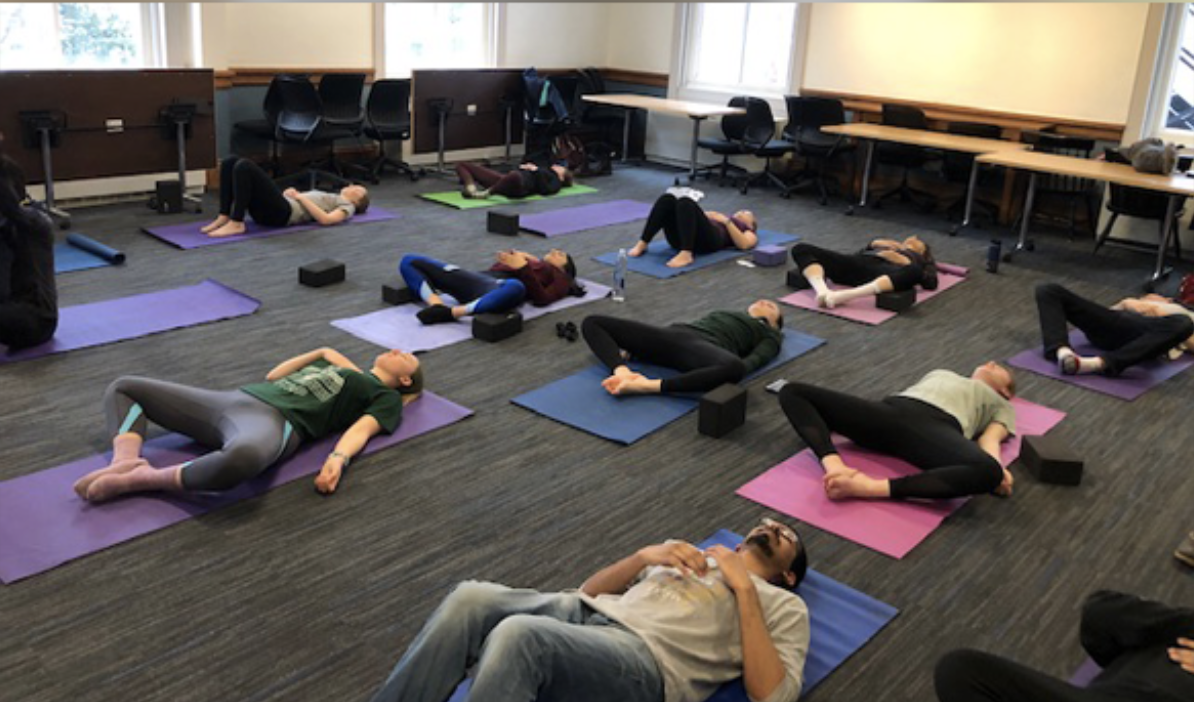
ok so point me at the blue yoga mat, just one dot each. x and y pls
(579, 400)
(80, 252)
(654, 261)
(841, 621)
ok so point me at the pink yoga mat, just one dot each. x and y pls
(889, 527)
(863, 309)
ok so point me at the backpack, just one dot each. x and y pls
(1185, 291)
(568, 150)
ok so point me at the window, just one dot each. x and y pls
(1171, 108)
(438, 35)
(737, 46)
(80, 35)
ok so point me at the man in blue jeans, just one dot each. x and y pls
(669, 623)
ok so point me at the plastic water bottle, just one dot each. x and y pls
(619, 292)
(993, 255)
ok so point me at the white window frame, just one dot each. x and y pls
(153, 41)
(1158, 103)
(493, 24)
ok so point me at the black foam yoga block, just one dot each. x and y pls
(500, 222)
(321, 273)
(495, 327)
(723, 410)
(397, 294)
(896, 301)
(1051, 460)
(797, 280)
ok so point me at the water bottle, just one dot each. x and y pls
(619, 292)
(993, 254)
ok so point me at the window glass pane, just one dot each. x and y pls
(717, 53)
(71, 35)
(435, 35)
(1181, 92)
(768, 52)
(742, 45)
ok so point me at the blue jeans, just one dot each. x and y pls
(525, 645)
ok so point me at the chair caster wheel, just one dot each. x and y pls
(953, 231)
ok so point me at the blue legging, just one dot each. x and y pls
(478, 292)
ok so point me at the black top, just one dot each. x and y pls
(928, 269)
(1128, 637)
(543, 181)
(27, 264)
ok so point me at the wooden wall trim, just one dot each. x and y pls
(237, 77)
(654, 80)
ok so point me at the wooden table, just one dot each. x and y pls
(872, 133)
(696, 111)
(1177, 187)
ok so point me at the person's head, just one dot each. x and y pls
(565, 263)
(358, 195)
(997, 377)
(749, 218)
(563, 174)
(779, 549)
(399, 370)
(768, 310)
(914, 243)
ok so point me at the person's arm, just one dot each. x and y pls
(762, 354)
(323, 218)
(893, 257)
(885, 244)
(991, 439)
(616, 578)
(539, 294)
(289, 366)
(1114, 623)
(350, 444)
(743, 240)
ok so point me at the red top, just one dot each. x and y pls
(544, 282)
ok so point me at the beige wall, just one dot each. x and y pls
(289, 35)
(1065, 60)
(640, 36)
(554, 35)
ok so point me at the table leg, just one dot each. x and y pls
(1163, 246)
(866, 172)
(696, 134)
(969, 199)
(1023, 244)
(627, 114)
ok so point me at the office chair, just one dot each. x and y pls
(600, 120)
(341, 94)
(733, 130)
(904, 156)
(300, 121)
(266, 129)
(760, 142)
(806, 116)
(956, 166)
(546, 114)
(388, 119)
(1062, 187)
(1138, 202)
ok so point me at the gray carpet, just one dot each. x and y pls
(295, 596)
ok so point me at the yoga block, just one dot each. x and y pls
(722, 410)
(770, 255)
(896, 301)
(797, 281)
(321, 273)
(1051, 460)
(397, 295)
(495, 327)
(503, 222)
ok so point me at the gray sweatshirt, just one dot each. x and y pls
(328, 202)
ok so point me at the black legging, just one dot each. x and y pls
(244, 187)
(511, 185)
(973, 676)
(1125, 337)
(685, 225)
(28, 293)
(856, 269)
(703, 364)
(914, 431)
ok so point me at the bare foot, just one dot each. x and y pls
(639, 249)
(684, 258)
(117, 468)
(627, 384)
(845, 485)
(434, 299)
(1005, 488)
(229, 229)
(215, 224)
(459, 311)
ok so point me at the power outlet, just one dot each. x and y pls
(472, 110)
(114, 126)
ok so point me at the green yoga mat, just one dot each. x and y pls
(457, 200)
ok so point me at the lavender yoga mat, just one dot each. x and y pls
(889, 527)
(1085, 674)
(1130, 384)
(43, 524)
(188, 236)
(397, 327)
(570, 220)
(99, 323)
(864, 310)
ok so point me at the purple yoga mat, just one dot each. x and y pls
(863, 309)
(889, 527)
(43, 524)
(99, 323)
(398, 328)
(570, 220)
(1085, 674)
(188, 236)
(1130, 384)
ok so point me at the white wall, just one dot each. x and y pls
(640, 36)
(297, 35)
(554, 35)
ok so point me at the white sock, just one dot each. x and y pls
(1079, 365)
(841, 297)
(818, 283)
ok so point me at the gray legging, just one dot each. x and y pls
(246, 434)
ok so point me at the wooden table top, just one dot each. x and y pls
(928, 139)
(1118, 173)
(657, 104)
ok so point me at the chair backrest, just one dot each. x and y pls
(1063, 145)
(341, 96)
(300, 109)
(1134, 202)
(760, 124)
(388, 106)
(955, 165)
(811, 113)
(272, 104)
(905, 116)
(733, 127)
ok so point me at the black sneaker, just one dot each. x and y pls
(435, 314)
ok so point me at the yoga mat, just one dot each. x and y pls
(99, 323)
(888, 526)
(44, 524)
(187, 235)
(570, 220)
(863, 309)
(841, 621)
(1085, 674)
(1130, 384)
(579, 400)
(80, 252)
(398, 327)
(654, 261)
(455, 198)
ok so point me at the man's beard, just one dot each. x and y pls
(762, 542)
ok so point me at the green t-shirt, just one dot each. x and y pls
(321, 399)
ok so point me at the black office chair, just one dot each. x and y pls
(1138, 202)
(956, 166)
(341, 95)
(388, 119)
(760, 142)
(602, 122)
(733, 130)
(806, 116)
(265, 129)
(546, 114)
(1059, 187)
(300, 121)
(906, 157)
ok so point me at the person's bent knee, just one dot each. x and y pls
(470, 597)
(992, 475)
(1180, 325)
(735, 371)
(804, 255)
(591, 324)
(792, 391)
(516, 634)
(1047, 290)
(953, 676)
